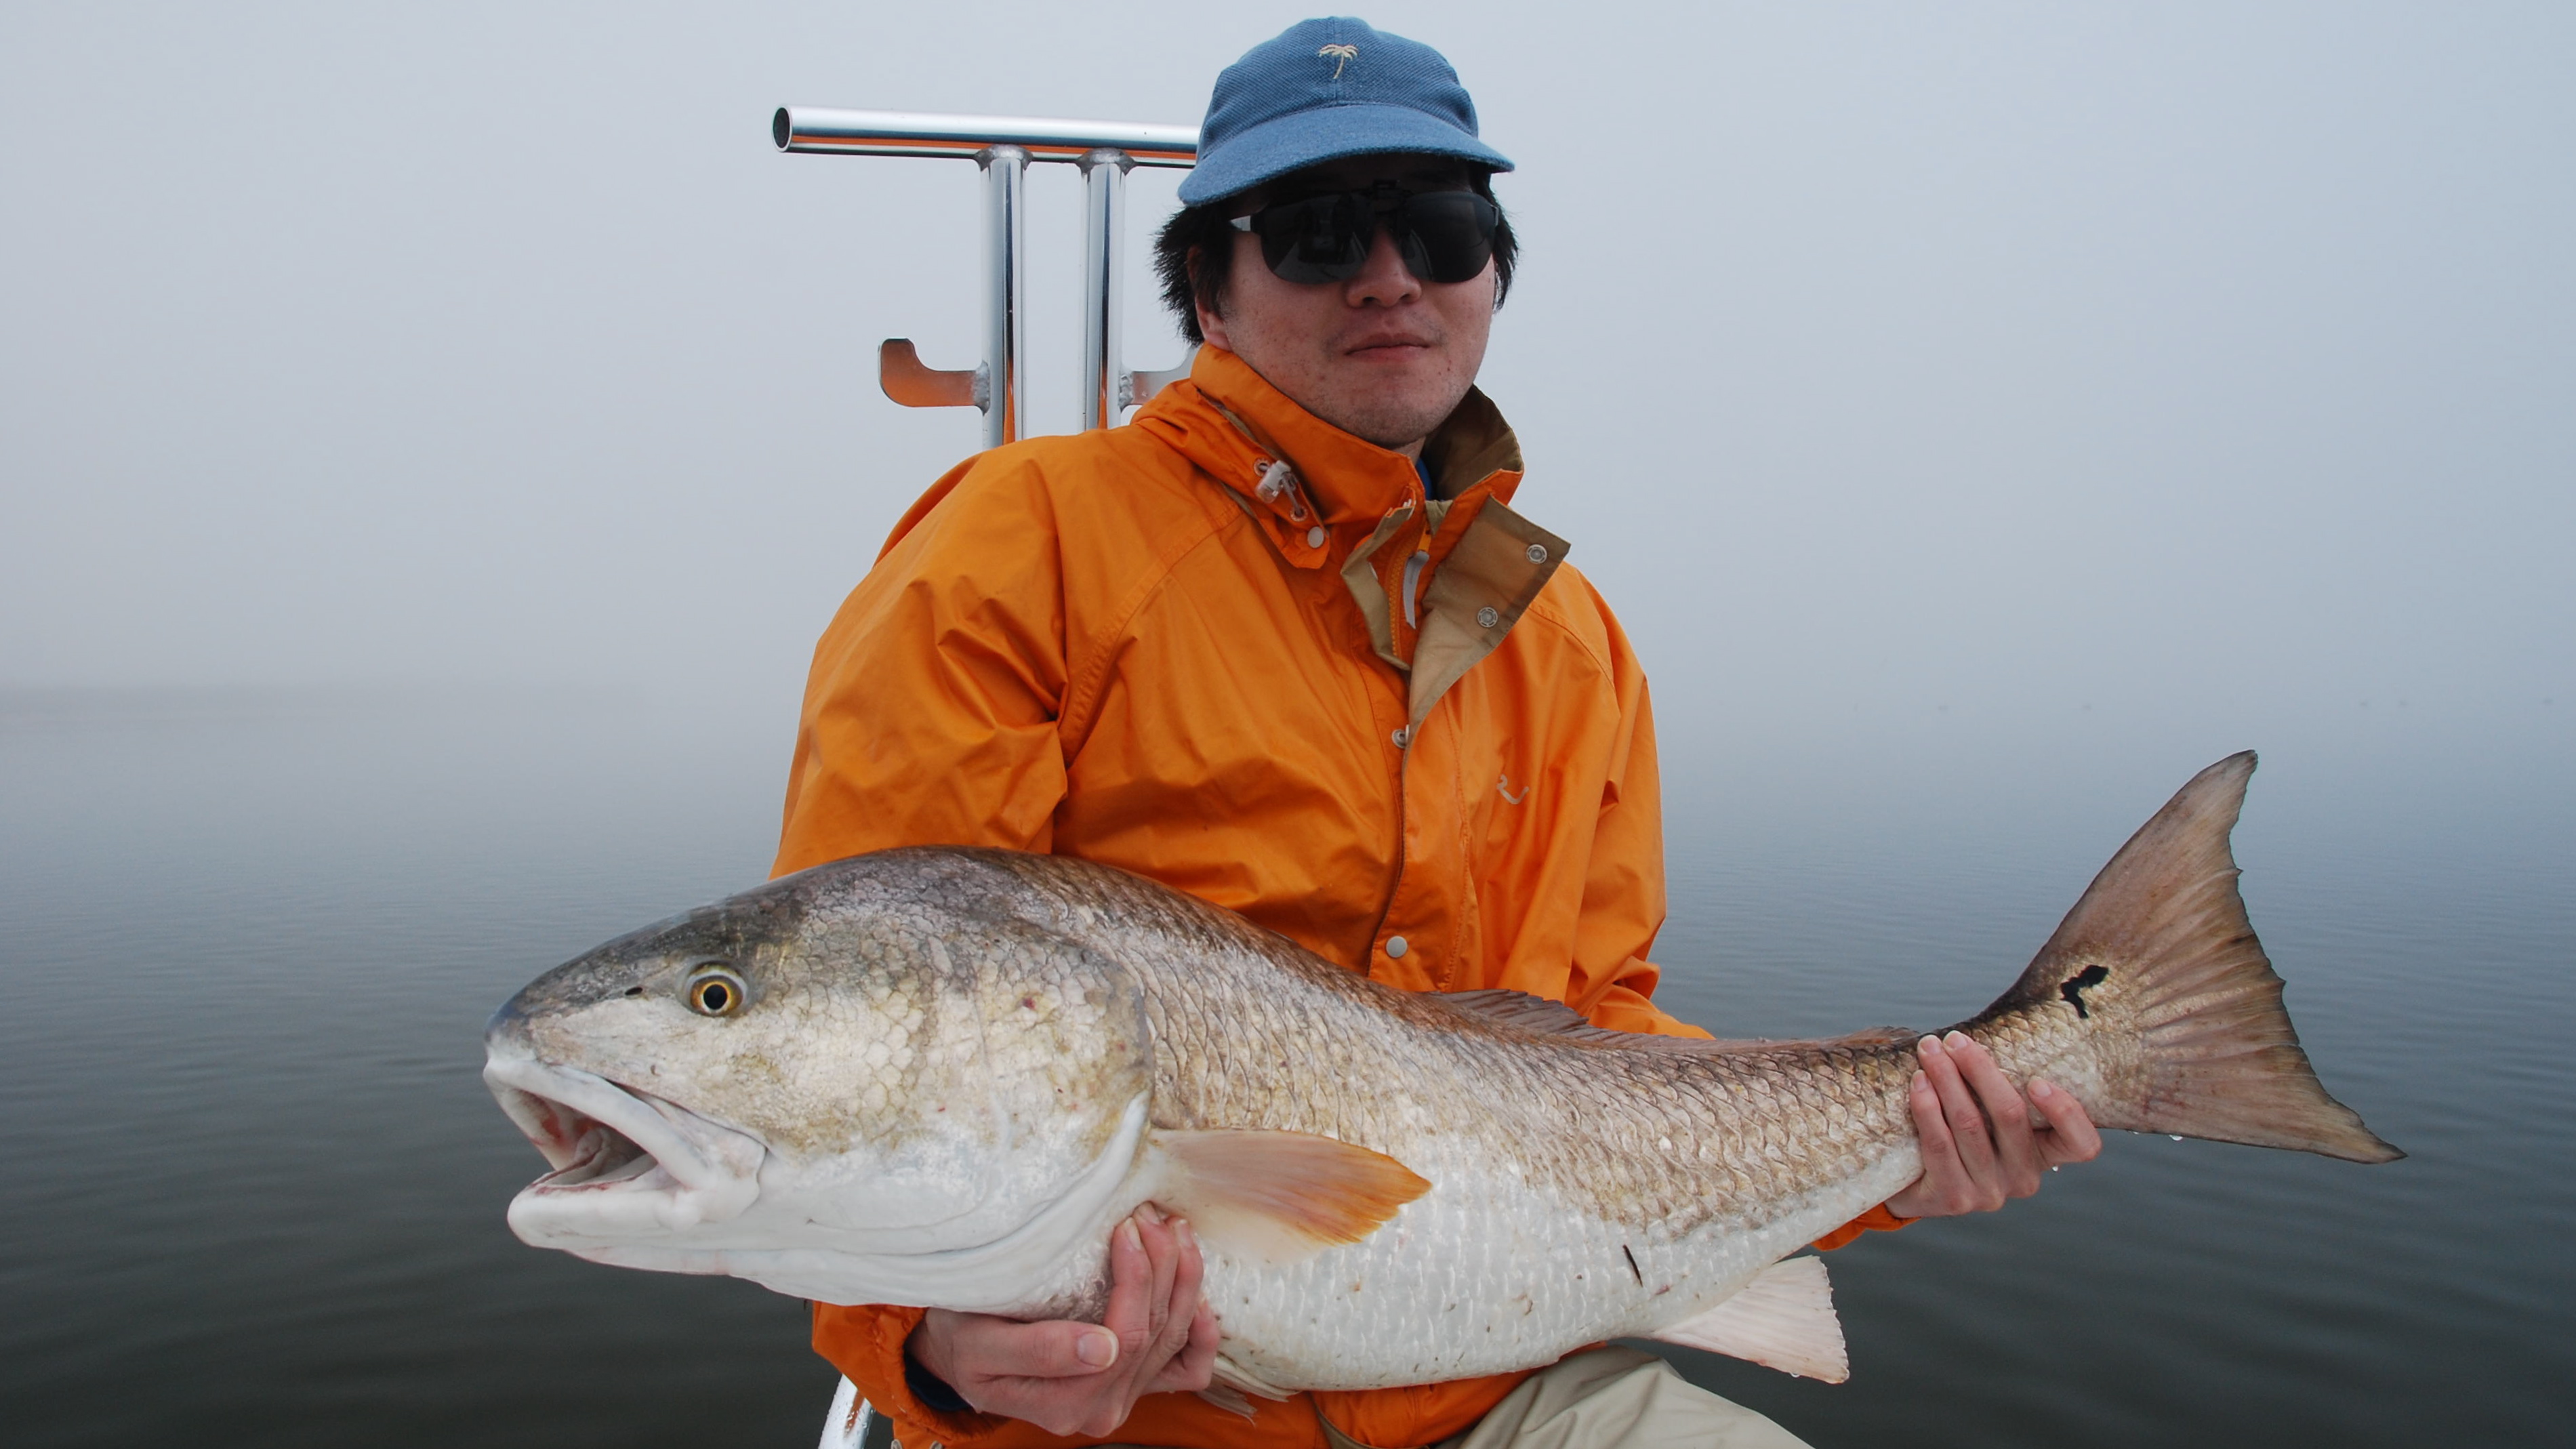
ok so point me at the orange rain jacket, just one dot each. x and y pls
(1156, 646)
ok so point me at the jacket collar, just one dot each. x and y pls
(1464, 566)
(1230, 421)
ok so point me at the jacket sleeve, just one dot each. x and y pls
(1623, 904)
(866, 1345)
(1876, 1220)
(1611, 979)
(930, 715)
(929, 719)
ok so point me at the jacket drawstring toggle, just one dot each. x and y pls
(1278, 480)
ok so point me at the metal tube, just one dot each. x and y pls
(1005, 146)
(1006, 171)
(912, 133)
(1104, 379)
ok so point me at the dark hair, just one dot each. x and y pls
(1203, 232)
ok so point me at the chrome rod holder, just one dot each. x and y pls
(1006, 171)
(1105, 390)
(1141, 386)
(913, 133)
(1004, 146)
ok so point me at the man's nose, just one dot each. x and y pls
(1384, 279)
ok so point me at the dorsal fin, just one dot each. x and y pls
(1870, 1036)
(1519, 1008)
(1555, 1018)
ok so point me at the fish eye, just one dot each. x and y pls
(714, 990)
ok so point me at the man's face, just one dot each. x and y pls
(1386, 355)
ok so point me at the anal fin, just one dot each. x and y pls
(1783, 1319)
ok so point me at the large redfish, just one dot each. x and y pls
(941, 1077)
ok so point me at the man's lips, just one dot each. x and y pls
(1388, 345)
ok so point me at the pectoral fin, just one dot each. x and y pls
(1276, 1197)
(1783, 1319)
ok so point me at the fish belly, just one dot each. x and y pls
(1489, 1272)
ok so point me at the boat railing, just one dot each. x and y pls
(1005, 147)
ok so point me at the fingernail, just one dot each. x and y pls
(2039, 1087)
(1099, 1350)
(1181, 1230)
(1127, 1235)
(1922, 1081)
(1959, 1039)
(1930, 1044)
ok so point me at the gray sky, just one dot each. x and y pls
(2202, 367)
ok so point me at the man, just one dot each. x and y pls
(1282, 643)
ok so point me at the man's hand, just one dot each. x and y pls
(1085, 1378)
(1974, 1160)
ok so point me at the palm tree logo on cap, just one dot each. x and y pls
(1342, 55)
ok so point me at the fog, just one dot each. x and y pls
(2104, 383)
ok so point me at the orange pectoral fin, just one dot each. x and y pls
(1278, 1196)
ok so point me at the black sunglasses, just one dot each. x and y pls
(1443, 236)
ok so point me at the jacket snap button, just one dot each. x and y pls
(1488, 616)
(1402, 738)
(1538, 553)
(1395, 947)
(1315, 536)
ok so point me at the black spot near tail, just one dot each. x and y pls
(2073, 989)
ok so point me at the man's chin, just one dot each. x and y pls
(1392, 416)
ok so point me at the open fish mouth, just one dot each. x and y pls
(625, 1164)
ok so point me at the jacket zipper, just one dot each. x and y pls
(1395, 882)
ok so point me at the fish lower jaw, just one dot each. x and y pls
(624, 1166)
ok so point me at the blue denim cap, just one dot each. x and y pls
(1323, 90)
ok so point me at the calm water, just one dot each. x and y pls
(253, 1187)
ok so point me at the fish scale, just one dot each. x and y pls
(942, 1077)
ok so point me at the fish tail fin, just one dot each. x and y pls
(2159, 954)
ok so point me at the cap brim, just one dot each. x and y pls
(1309, 138)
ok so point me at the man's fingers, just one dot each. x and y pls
(1959, 1109)
(1931, 1125)
(1188, 1270)
(2071, 1135)
(1974, 1161)
(1083, 1377)
(984, 1348)
(1192, 1368)
(1931, 1194)
(1980, 1188)
(2007, 1115)
(1175, 1248)
(1131, 1280)
(1163, 1258)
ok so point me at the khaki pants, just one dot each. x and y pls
(1610, 1398)
(1614, 1398)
